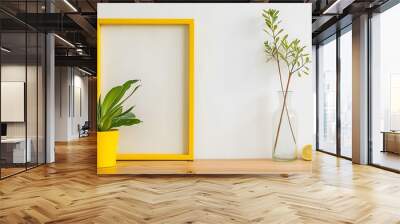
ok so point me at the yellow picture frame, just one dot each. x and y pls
(186, 22)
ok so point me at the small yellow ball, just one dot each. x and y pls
(306, 152)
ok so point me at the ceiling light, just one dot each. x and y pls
(5, 50)
(70, 5)
(334, 7)
(79, 51)
(84, 71)
(64, 40)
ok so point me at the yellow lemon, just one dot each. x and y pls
(306, 153)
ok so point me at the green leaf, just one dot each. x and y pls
(106, 121)
(111, 108)
(115, 95)
(125, 120)
(128, 111)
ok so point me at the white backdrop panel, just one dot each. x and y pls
(157, 55)
(235, 89)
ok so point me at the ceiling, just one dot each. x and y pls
(75, 21)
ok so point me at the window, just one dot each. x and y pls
(22, 77)
(346, 93)
(327, 96)
(385, 90)
(335, 94)
(395, 102)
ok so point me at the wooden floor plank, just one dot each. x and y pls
(70, 191)
(206, 166)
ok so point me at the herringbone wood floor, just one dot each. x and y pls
(69, 191)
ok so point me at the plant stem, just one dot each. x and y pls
(283, 109)
(286, 109)
(281, 82)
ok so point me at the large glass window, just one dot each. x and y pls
(385, 89)
(22, 88)
(13, 122)
(335, 74)
(327, 96)
(346, 93)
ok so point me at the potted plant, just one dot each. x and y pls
(291, 59)
(110, 116)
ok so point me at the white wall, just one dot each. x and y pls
(235, 89)
(17, 73)
(80, 84)
(33, 127)
(68, 81)
(12, 73)
(61, 103)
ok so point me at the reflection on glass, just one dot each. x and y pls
(13, 70)
(327, 96)
(346, 94)
(385, 81)
(394, 102)
(22, 90)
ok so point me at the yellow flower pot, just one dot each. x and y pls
(107, 144)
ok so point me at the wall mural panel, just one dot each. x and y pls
(236, 89)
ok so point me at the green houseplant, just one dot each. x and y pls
(291, 59)
(110, 116)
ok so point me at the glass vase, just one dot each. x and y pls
(284, 142)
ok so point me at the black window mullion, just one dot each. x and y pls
(369, 94)
(37, 90)
(317, 95)
(338, 91)
(37, 98)
(26, 88)
(45, 94)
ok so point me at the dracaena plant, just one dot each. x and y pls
(110, 111)
(290, 57)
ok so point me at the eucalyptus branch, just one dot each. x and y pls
(275, 53)
(298, 69)
(285, 106)
(291, 53)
